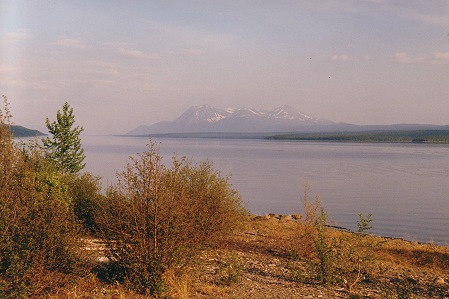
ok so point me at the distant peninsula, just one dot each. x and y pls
(434, 136)
(20, 131)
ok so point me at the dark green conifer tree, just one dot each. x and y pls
(64, 144)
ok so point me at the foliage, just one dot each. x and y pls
(324, 249)
(85, 192)
(308, 235)
(229, 271)
(342, 258)
(314, 243)
(156, 219)
(364, 224)
(64, 146)
(39, 237)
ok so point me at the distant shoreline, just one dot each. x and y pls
(395, 136)
(415, 136)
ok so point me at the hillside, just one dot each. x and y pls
(19, 131)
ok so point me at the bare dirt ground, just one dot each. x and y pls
(257, 263)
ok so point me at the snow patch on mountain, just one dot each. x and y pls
(206, 118)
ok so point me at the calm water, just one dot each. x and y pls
(405, 187)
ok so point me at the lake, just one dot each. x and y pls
(404, 186)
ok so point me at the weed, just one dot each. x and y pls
(397, 290)
(324, 250)
(229, 271)
(308, 235)
(364, 224)
(297, 272)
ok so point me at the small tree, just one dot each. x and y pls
(64, 146)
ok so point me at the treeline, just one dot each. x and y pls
(154, 221)
(415, 136)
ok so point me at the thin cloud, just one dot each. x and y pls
(440, 58)
(191, 51)
(16, 36)
(19, 76)
(132, 53)
(437, 58)
(343, 58)
(403, 57)
(70, 43)
(436, 18)
(434, 12)
(100, 69)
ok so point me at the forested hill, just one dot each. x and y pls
(19, 131)
(397, 136)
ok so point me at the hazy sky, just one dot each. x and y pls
(121, 64)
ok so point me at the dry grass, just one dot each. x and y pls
(262, 250)
(412, 256)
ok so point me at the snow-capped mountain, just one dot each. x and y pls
(245, 120)
(205, 113)
(287, 112)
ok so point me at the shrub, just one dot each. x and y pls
(308, 235)
(342, 257)
(356, 254)
(229, 271)
(158, 218)
(39, 237)
(324, 249)
(85, 191)
(364, 223)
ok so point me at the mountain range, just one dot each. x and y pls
(201, 119)
(208, 119)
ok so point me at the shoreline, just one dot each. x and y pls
(298, 217)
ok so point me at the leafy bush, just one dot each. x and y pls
(85, 191)
(157, 218)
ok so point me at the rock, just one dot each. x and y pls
(296, 216)
(276, 216)
(102, 259)
(260, 218)
(286, 218)
(395, 280)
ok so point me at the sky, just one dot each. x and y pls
(122, 64)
